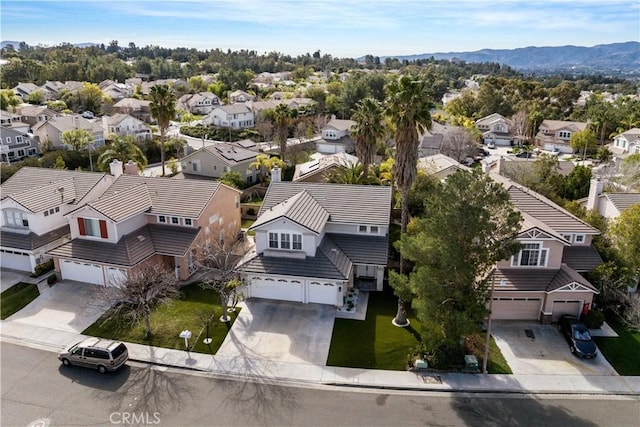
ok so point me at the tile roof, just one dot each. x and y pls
(350, 204)
(229, 153)
(623, 201)
(180, 197)
(563, 124)
(132, 248)
(538, 279)
(124, 204)
(340, 124)
(38, 188)
(548, 212)
(65, 123)
(301, 208)
(581, 258)
(234, 108)
(31, 241)
(362, 249)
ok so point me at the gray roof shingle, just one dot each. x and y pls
(349, 204)
(122, 205)
(362, 249)
(132, 248)
(581, 258)
(538, 279)
(623, 201)
(31, 241)
(301, 209)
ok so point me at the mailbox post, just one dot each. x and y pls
(186, 334)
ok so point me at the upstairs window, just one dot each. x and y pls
(162, 219)
(273, 240)
(297, 242)
(531, 255)
(285, 241)
(15, 218)
(92, 227)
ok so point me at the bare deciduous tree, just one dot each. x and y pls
(520, 122)
(264, 128)
(134, 298)
(458, 143)
(319, 122)
(218, 265)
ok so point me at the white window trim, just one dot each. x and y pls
(582, 238)
(515, 260)
(278, 240)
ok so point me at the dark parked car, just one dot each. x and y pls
(525, 154)
(578, 336)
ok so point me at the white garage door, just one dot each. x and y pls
(81, 272)
(284, 290)
(116, 276)
(572, 307)
(516, 308)
(15, 260)
(322, 293)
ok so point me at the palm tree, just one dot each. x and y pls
(367, 130)
(163, 110)
(282, 118)
(124, 149)
(408, 106)
(352, 173)
(262, 161)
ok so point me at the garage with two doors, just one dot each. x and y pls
(305, 291)
(87, 272)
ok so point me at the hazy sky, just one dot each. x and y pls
(342, 28)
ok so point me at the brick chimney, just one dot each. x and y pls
(131, 168)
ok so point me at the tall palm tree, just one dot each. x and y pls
(368, 130)
(163, 110)
(124, 149)
(408, 105)
(282, 118)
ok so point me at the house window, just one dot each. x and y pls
(237, 202)
(579, 238)
(16, 218)
(57, 209)
(285, 241)
(46, 213)
(531, 255)
(19, 139)
(187, 221)
(273, 240)
(567, 237)
(92, 227)
(362, 228)
(227, 169)
(563, 134)
(195, 167)
(162, 218)
(373, 229)
(297, 242)
(175, 220)
(21, 153)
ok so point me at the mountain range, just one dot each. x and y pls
(614, 58)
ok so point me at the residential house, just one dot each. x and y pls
(627, 142)
(543, 281)
(608, 204)
(36, 114)
(22, 90)
(236, 116)
(125, 125)
(34, 204)
(431, 141)
(137, 108)
(140, 220)
(321, 166)
(557, 134)
(496, 129)
(440, 165)
(116, 90)
(198, 103)
(240, 96)
(216, 159)
(335, 137)
(16, 145)
(7, 118)
(315, 241)
(52, 89)
(51, 131)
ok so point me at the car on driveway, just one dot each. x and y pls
(524, 155)
(103, 355)
(577, 336)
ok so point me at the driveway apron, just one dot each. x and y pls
(282, 331)
(531, 348)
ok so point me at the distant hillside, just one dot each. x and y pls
(611, 58)
(16, 45)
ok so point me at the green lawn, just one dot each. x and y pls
(623, 352)
(16, 298)
(169, 320)
(375, 343)
(246, 223)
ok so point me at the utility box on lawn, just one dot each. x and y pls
(470, 363)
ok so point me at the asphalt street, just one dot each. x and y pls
(38, 391)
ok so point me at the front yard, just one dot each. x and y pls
(623, 353)
(374, 343)
(16, 298)
(169, 320)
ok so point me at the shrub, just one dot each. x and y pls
(251, 212)
(593, 319)
(52, 279)
(446, 356)
(43, 268)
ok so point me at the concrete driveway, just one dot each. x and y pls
(67, 306)
(281, 331)
(547, 352)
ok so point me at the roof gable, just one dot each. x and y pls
(302, 209)
(121, 205)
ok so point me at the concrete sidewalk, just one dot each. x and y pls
(272, 370)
